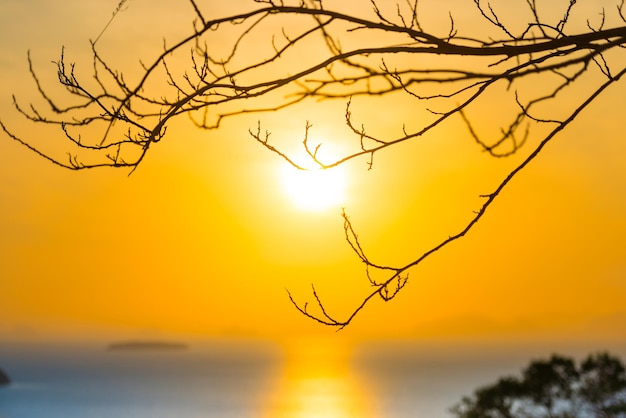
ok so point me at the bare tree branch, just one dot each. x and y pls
(383, 49)
(381, 289)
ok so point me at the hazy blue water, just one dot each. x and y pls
(90, 382)
(251, 380)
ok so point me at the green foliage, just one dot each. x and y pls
(554, 388)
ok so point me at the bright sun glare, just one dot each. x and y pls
(315, 190)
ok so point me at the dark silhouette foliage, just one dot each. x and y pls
(554, 388)
(4, 379)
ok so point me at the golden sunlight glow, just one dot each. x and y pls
(314, 190)
(318, 383)
(204, 237)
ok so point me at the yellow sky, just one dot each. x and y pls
(203, 239)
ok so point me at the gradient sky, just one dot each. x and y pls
(203, 239)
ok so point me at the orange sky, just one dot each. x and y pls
(202, 239)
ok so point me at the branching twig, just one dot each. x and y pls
(270, 65)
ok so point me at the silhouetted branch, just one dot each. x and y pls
(382, 289)
(270, 65)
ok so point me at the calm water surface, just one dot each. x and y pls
(251, 379)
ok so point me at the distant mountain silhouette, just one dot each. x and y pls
(147, 346)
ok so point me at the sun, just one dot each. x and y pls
(314, 190)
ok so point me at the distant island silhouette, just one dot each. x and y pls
(148, 346)
(4, 379)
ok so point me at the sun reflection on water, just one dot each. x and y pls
(318, 382)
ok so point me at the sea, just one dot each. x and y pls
(260, 379)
